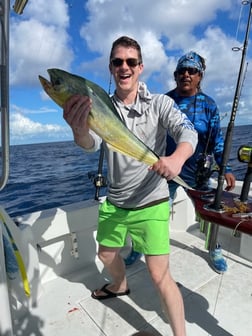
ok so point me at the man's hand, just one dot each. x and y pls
(167, 167)
(230, 180)
(76, 111)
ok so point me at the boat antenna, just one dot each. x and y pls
(216, 206)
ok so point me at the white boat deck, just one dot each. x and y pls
(218, 305)
(59, 251)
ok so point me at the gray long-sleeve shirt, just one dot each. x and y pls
(131, 184)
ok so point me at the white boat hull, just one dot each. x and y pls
(59, 250)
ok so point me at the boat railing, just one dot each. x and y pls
(4, 80)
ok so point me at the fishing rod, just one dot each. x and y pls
(99, 180)
(216, 206)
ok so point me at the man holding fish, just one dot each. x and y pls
(137, 199)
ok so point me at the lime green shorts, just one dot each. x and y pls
(148, 227)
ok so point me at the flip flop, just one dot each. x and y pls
(108, 292)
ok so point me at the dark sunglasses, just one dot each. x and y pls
(191, 71)
(131, 62)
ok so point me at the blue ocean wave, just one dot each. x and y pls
(49, 175)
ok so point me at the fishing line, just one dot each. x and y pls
(243, 80)
(110, 84)
(243, 2)
(227, 255)
(239, 22)
(217, 296)
(241, 221)
(228, 139)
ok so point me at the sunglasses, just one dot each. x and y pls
(191, 71)
(131, 62)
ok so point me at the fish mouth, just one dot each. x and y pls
(45, 83)
(49, 84)
(52, 76)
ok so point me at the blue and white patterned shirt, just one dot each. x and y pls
(203, 112)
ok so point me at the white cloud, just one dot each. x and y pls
(78, 35)
(26, 111)
(24, 130)
(166, 30)
(175, 20)
(55, 12)
(39, 40)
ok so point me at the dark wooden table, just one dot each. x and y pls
(233, 214)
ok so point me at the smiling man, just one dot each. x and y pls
(137, 200)
(204, 114)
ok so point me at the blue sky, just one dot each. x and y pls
(77, 35)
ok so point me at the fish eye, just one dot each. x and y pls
(57, 82)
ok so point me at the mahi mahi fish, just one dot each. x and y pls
(103, 118)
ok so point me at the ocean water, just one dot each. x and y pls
(54, 174)
(47, 175)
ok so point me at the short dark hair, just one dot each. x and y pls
(126, 41)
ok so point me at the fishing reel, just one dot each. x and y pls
(203, 171)
(98, 180)
(245, 154)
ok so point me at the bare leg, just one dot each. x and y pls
(170, 295)
(114, 264)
